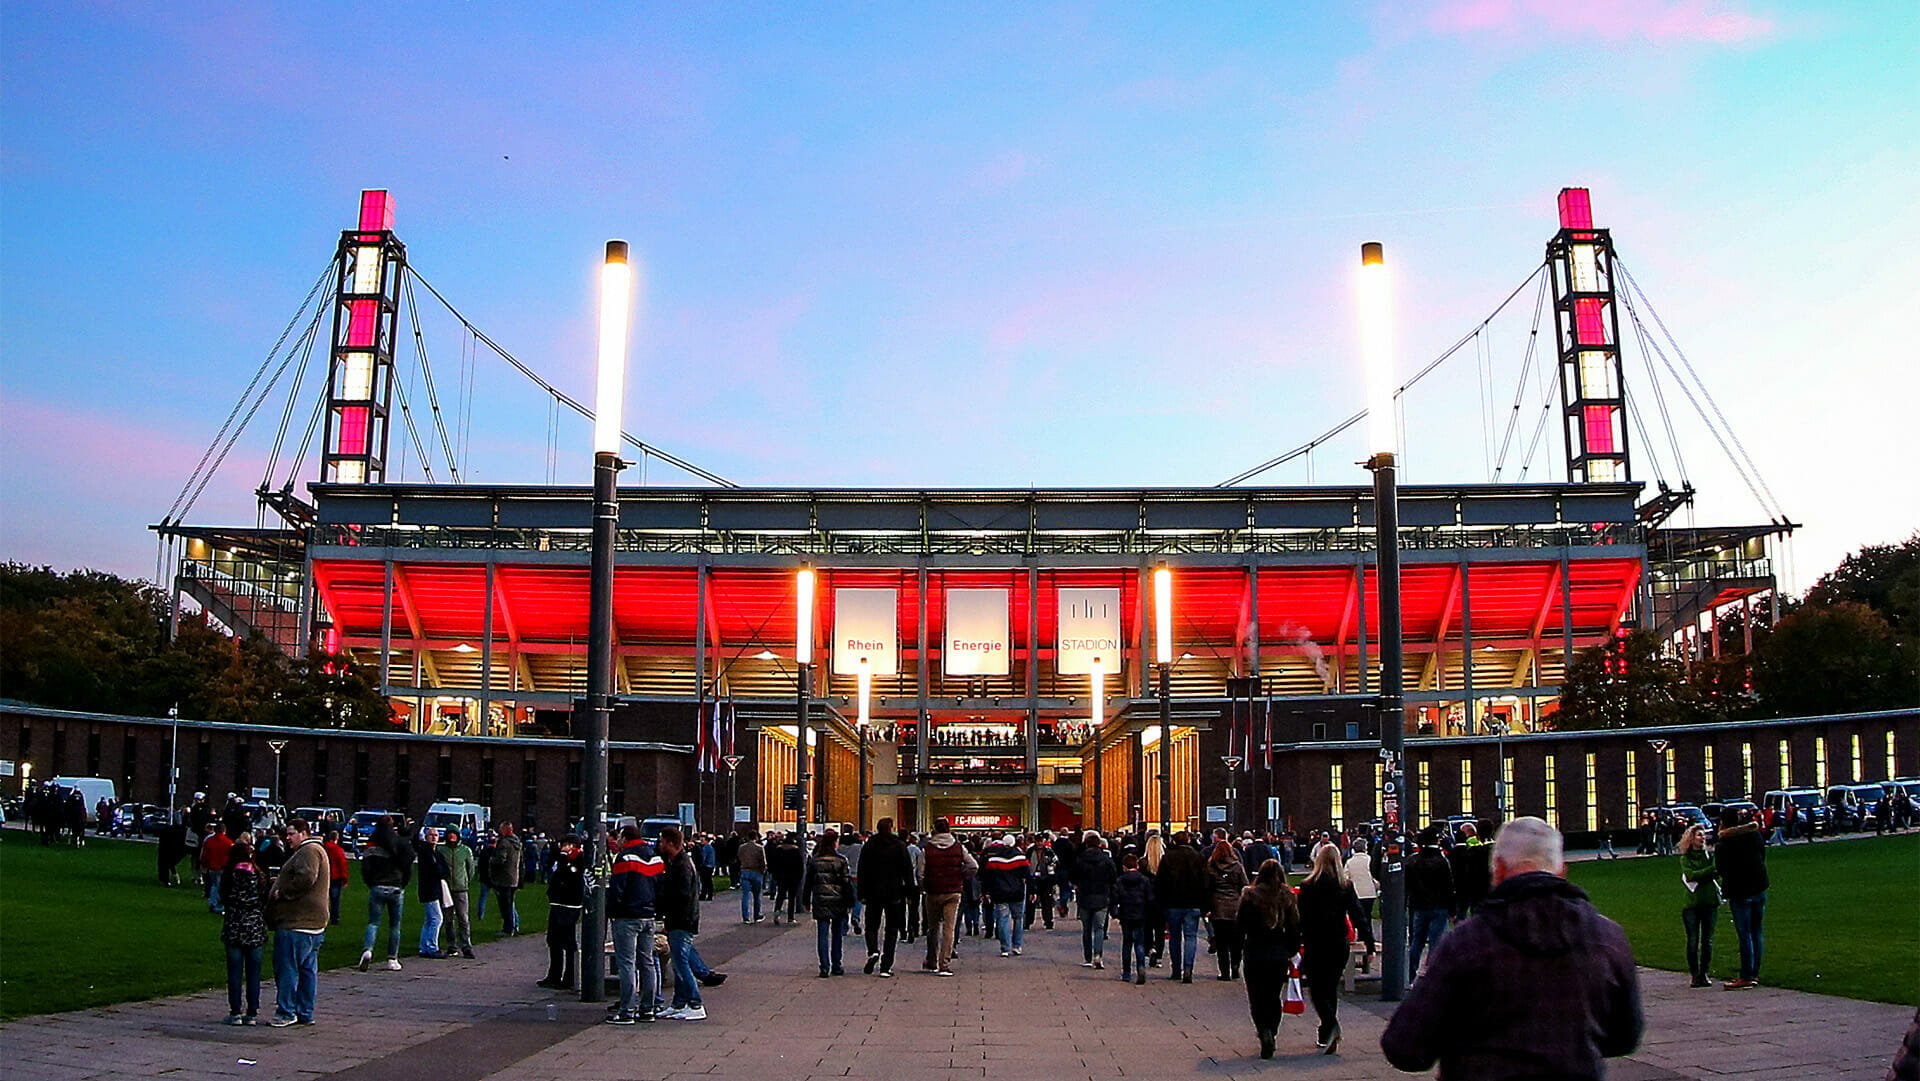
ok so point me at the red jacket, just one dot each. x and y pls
(336, 861)
(213, 852)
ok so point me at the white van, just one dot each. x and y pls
(92, 790)
(470, 819)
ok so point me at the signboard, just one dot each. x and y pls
(981, 820)
(975, 642)
(790, 797)
(1232, 761)
(1273, 808)
(1088, 627)
(1216, 812)
(866, 623)
(1659, 746)
(686, 814)
(260, 793)
(6, 767)
(733, 761)
(742, 813)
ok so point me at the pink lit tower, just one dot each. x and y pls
(366, 318)
(1593, 400)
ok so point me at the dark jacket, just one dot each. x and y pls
(567, 879)
(1326, 905)
(829, 886)
(433, 868)
(386, 860)
(636, 875)
(948, 865)
(1256, 856)
(1741, 856)
(1094, 873)
(1429, 880)
(1005, 875)
(1268, 944)
(679, 898)
(243, 903)
(1472, 875)
(503, 866)
(1538, 984)
(1226, 879)
(1181, 881)
(785, 862)
(1132, 897)
(886, 869)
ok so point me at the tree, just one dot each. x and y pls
(1884, 577)
(327, 691)
(1626, 683)
(1835, 658)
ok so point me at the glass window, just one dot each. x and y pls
(1426, 794)
(1593, 794)
(1466, 786)
(1553, 790)
(1336, 799)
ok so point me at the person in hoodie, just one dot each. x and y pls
(1537, 984)
(1741, 857)
(946, 867)
(1133, 904)
(386, 866)
(1094, 874)
(1004, 881)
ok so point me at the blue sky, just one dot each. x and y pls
(937, 245)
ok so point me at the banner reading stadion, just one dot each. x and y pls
(468, 601)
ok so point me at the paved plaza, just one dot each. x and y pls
(1038, 1016)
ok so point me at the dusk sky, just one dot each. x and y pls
(956, 245)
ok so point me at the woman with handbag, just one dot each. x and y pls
(1328, 913)
(1269, 920)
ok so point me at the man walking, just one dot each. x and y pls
(948, 866)
(1004, 881)
(504, 868)
(386, 864)
(1429, 897)
(459, 882)
(297, 912)
(885, 880)
(1538, 984)
(1182, 889)
(679, 908)
(630, 908)
(753, 875)
(1742, 858)
(1094, 874)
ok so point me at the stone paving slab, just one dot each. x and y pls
(1038, 1016)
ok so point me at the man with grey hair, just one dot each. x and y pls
(1536, 984)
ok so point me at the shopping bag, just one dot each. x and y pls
(1294, 1002)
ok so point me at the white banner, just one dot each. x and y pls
(976, 633)
(1089, 627)
(866, 624)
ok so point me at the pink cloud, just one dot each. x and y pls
(1715, 22)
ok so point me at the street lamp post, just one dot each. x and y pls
(1376, 336)
(1163, 655)
(173, 764)
(616, 299)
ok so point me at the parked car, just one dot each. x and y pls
(1688, 814)
(139, 818)
(650, 828)
(1805, 806)
(361, 826)
(320, 818)
(1853, 805)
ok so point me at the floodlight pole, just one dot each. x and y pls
(1163, 652)
(615, 304)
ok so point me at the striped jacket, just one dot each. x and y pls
(630, 891)
(1005, 874)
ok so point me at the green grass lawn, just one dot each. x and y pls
(1840, 919)
(93, 926)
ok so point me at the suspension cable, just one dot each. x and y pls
(1417, 376)
(1520, 388)
(305, 346)
(426, 372)
(419, 447)
(1641, 336)
(565, 399)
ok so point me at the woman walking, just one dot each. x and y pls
(1269, 921)
(830, 890)
(1328, 909)
(1226, 877)
(1700, 909)
(243, 930)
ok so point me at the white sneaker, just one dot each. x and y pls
(393, 964)
(672, 1013)
(366, 960)
(696, 1012)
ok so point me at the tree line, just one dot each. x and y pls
(87, 640)
(1851, 644)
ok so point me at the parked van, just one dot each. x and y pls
(651, 828)
(92, 790)
(1805, 806)
(470, 819)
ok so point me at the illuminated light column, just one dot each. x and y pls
(1593, 398)
(864, 682)
(1163, 657)
(1376, 349)
(616, 301)
(366, 317)
(803, 659)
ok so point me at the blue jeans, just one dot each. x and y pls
(686, 966)
(633, 959)
(383, 900)
(1133, 949)
(430, 930)
(752, 883)
(1183, 933)
(1009, 922)
(213, 890)
(1093, 932)
(243, 964)
(296, 972)
(830, 934)
(480, 907)
(1428, 925)
(1748, 914)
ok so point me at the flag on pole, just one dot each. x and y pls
(1266, 709)
(732, 719)
(700, 748)
(713, 738)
